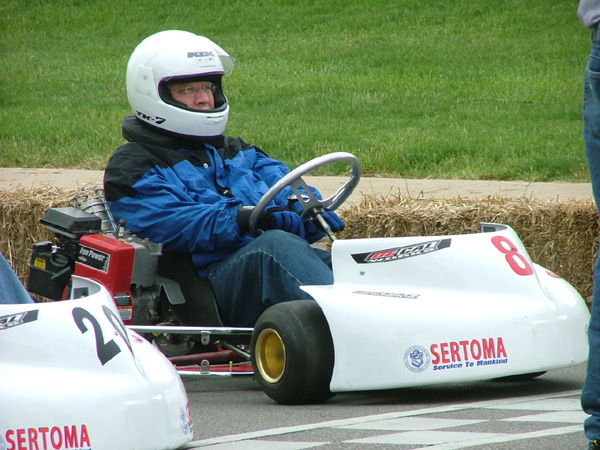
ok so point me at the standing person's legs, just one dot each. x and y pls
(269, 270)
(590, 396)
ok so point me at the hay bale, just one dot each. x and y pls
(561, 236)
(20, 213)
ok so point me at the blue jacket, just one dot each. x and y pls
(186, 194)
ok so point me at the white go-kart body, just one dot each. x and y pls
(425, 310)
(73, 377)
(413, 311)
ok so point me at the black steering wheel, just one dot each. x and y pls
(311, 205)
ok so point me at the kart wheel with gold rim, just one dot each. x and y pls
(270, 355)
(292, 353)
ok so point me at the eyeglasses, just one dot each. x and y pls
(191, 90)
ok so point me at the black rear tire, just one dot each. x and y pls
(292, 353)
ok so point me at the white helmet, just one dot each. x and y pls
(182, 56)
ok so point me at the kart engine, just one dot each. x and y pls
(89, 244)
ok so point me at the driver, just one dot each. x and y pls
(181, 182)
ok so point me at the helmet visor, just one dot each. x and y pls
(220, 101)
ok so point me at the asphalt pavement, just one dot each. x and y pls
(231, 413)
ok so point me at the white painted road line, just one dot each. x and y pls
(538, 402)
(504, 438)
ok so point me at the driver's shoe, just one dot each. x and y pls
(594, 444)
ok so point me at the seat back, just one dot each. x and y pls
(200, 307)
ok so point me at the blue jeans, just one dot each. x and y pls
(590, 396)
(268, 270)
(11, 289)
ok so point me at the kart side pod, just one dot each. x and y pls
(419, 311)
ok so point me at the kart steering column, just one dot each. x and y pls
(325, 226)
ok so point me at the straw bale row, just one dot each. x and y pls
(20, 213)
(561, 236)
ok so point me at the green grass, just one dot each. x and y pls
(439, 89)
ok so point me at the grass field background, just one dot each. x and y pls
(439, 89)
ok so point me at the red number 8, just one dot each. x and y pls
(515, 260)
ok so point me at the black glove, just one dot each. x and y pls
(314, 231)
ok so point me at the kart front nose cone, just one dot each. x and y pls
(270, 355)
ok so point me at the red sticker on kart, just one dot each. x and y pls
(93, 258)
(74, 437)
(463, 354)
(517, 262)
(395, 254)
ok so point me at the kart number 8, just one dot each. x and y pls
(515, 260)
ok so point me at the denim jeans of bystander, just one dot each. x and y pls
(590, 397)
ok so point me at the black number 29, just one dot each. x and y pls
(105, 350)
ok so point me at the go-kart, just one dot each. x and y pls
(73, 377)
(401, 312)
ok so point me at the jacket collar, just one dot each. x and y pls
(134, 130)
